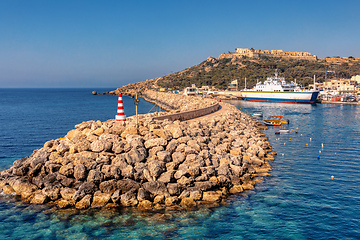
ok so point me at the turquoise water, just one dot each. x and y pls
(299, 200)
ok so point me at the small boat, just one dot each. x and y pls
(277, 119)
(272, 124)
(257, 114)
(284, 131)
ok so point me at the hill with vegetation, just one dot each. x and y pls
(219, 72)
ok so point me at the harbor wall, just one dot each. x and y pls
(182, 116)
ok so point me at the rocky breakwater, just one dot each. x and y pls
(159, 164)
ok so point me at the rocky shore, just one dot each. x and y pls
(157, 165)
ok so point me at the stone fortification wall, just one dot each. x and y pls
(253, 53)
(158, 164)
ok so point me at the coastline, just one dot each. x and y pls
(161, 164)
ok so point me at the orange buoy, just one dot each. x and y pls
(332, 177)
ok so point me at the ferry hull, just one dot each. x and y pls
(284, 97)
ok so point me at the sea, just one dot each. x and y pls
(313, 191)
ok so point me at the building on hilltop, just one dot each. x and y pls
(253, 53)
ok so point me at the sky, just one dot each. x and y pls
(109, 44)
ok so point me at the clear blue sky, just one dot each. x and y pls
(73, 43)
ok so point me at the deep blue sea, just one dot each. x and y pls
(299, 200)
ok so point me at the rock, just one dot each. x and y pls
(188, 202)
(143, 195)
(162, 133)
(153, 151)
(206, 185)
(52, 192)
(80, 172)
(95, 176)
(67, 170)
(129, 130)
(195, 193)
(194, 171)
(67, 193)
(185, 181)
(134, 156)
(8, 189)
(35, 170)
(159, 199)
(116, 196)
(24, 189)
(126, 185)
(236, 189)
(166, 177)
(175, 130)
(156, 168)
(39, 198)
(174, 188)
(97, 146)
(118, 146)
(155, 188)
(164, 156)
(145, 205)
(108, 186)
(180, 173)
(100, 199)
(111, 172)
(193, 144)
(84, 189)
(63, 146)
(155, 142)
(98, 131)
(129, 198)
(128, 172)
(211, 196)
(171, 201)
(65, 203)
(84, 203)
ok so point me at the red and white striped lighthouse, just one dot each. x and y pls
(120, 116)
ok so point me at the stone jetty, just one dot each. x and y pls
(152, 165)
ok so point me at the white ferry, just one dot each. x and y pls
(275, 89)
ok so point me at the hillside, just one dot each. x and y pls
(219, 72)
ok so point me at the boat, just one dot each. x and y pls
(277, 119)
(275, 89)
(284, 131)
(257, 114)
(272, 124)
